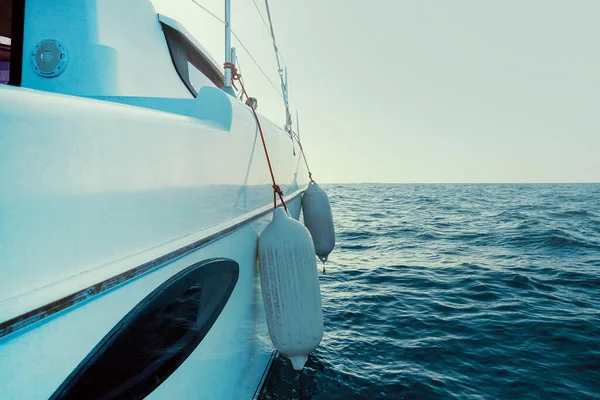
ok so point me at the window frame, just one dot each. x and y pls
(16, 43)
(154, 338)
(177, 42)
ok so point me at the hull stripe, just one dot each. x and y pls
(45, 311)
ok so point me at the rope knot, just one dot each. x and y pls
(277, 190)
(235, 75)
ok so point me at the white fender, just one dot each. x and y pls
(290, 288)
(318, 220)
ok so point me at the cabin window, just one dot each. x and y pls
(11, 41)
(193, 67)
(156, 337)
(4, 59)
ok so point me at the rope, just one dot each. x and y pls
(235, 75)
(303, 155)
(301, 384)
(243, 46)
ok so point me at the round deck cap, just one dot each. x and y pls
(49, 58)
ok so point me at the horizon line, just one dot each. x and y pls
(462, 183)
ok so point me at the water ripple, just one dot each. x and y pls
(458, 292)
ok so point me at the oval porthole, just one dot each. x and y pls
(155, 337)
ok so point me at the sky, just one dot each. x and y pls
(425, 91)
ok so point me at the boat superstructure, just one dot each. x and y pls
(130, 182)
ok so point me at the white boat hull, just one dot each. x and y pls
(101, 203)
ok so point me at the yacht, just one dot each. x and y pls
(133, 188)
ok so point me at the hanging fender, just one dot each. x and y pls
(290, 288)
(319, 220)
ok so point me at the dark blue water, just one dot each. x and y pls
(458, 292)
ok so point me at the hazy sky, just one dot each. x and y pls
(427, 91)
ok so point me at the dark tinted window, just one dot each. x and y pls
(156, 337)
(11, 40)
(5, 41)
(191, 65)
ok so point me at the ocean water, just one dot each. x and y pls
(457, 292)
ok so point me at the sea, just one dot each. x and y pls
(457, 291)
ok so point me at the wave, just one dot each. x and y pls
(458, 292)
(538, 236)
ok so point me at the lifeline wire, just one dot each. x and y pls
(241, 44)
(234, 72)
(284, 89)
(303, 154)
(267, 28)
